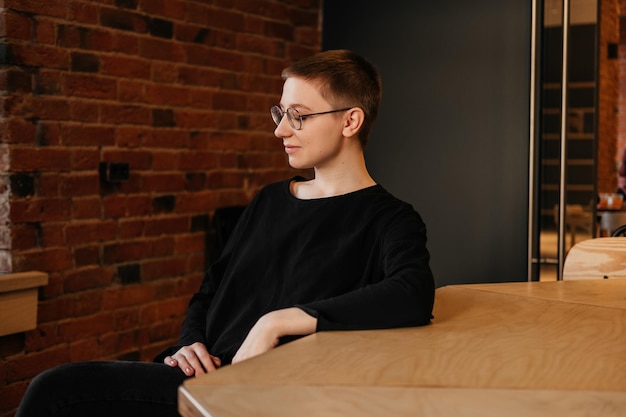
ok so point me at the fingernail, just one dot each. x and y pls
(187, 371)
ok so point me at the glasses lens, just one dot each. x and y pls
(295, 119)
(277, 114)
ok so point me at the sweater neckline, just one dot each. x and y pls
(298, 178)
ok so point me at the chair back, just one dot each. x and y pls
(598, 258)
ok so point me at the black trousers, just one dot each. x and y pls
(109, 389)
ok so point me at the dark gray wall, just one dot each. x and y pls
(452, 134)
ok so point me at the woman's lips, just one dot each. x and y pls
(291, 149)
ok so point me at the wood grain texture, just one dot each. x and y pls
(608, 293)
(598, 258)
(314, 401)
(480, 339)
(18, 301)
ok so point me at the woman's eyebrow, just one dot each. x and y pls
(296, 106)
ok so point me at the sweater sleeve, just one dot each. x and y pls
(403, 297)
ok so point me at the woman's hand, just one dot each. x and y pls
(194, 360)
(266, 333)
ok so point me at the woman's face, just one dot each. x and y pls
(319, 141)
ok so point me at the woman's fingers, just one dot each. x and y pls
(194, 360)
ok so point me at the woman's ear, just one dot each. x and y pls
(353, 122)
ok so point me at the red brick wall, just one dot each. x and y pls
(178, 89)
(608, 98)
(621, 133)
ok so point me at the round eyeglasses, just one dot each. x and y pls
(294, 117)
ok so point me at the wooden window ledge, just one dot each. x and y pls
(18, 301)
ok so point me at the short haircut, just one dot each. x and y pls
(345, 79)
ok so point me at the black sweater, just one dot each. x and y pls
(354, 261)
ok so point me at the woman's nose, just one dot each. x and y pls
(283, 129)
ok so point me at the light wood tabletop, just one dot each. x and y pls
(521, 349)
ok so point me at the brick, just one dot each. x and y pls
(40, 209)
(188, 119)
(85, 134)
(83, 327)
(10, 345)
(16, 80)
(84, 111)
(125, 43)
(45, 32)
(164, 204)
(16, 26)
(92, 231)
(84, 349)
(126, 251)
(161, 28)
(130, 229)
(138, 159)
(11, 395)
(163, 118)
(124, 66)
(126, 318)
(195, 181)
(18, 131)
(48, 260)
(127, 296)
(43, 337)
(65, 307)
(164, 161)
(22, 184)
(124, 20)
(194, 243)
(69, 36)
(162, 183)
(85, 256)
(167, 139)
(86, 208)
(164, 330)
(47, 81)
(129, 274)
(55, 8)
(126, 4)
(131, 91)
(41, 56)
(160, 226)
(79, 185)
(50, 108)
(84, 62)
(83, 13)
(27, 366)
(198, 202)
(164, 72)
(51, 234)
(163, 246)
(125, 114)
(126, 206)
(24, 236)
(174, 9)
(166, 95)
(91, 86)
(132, 137)
(171, 308)
(160, 49)
(87, 278)
(163, 268)
(198, 161)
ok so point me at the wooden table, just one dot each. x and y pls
(512, 349)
